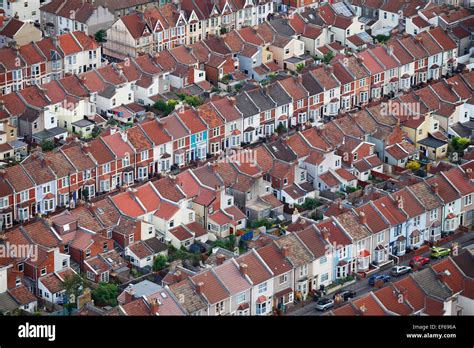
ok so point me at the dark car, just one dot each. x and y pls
(384, 277)
(324, 304)
(345, 295)
(420, 260)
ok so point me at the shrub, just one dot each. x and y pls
(105, 295)
(413, 165)
(160, 262)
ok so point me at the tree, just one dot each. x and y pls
(310, 204)
(281, 129)
(262, 222)
(47, 145)
(100, 36)
(105, 295)
(299, 67)
(223, 31)
(190, 99)
(459, 144)
(382, 38)
(413, 165)
(159, 263)
(165, 107)
(72, 286)
(327, 57)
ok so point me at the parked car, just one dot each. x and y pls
(384, 277)
(436, 253)
(345, 294)
(324, 304)
(399, 270)
(421, 260)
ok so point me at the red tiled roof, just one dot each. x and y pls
(273, 257)
(452, 276)
(128, 205)
(211, 288)
(367, 305)
(411, 292)
(390, 300)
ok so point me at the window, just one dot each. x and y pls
(21, 267)
(323, 260)
(324, 277)
(380, 238)
(262, 287)
(220, 307)
(43, 271)
(261, 308)
(106, 168)
(468, 200)
(303, 270)
(131, 238)
(88, 253)
(433, 214)
(240, 298)
(142, 173)
(283, 279)
(126, 161)
(3, 203)
(300, 104)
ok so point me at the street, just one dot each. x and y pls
(361, 287)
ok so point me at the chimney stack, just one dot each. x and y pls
(154, 306)
(435, 188)
(199, 287)
(129, 295)
(469, 173)
(220, 258)
(285, 251)
(243, 268)
(177, 276)
(363, 218)
(232, 101)
(325, 233)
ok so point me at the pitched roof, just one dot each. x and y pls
(213, 290)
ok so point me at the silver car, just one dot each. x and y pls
(399, 270)
(324, 304)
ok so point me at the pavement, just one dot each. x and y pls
(362, 287)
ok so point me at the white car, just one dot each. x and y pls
(399, 270)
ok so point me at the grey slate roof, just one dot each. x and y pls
(431, 285)
(264, 102)
(282, 27)
(432, 142)
(7, 302)
(311, 84)
(279, 95)
(245, 105)
(281, 151)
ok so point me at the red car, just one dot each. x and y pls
(420, 260)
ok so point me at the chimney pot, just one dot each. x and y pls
(285, 251)
(243, 268)
(199, 287)
(177, 276)
(154, 307)
(220, 259)
(435, 188)
(129, 295)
